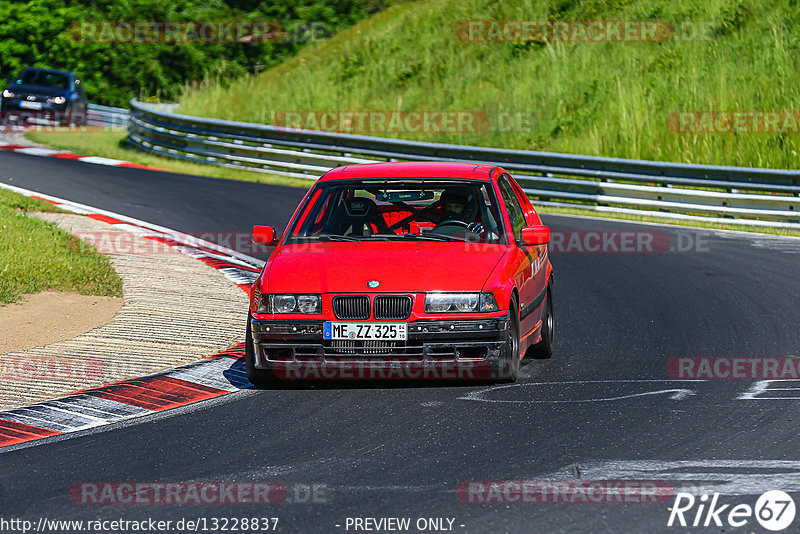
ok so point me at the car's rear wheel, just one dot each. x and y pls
(511, 370)
(258, 377)
(544, 349)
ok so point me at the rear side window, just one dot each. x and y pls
(512, 205)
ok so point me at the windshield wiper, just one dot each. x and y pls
(382, 236)
(432, 237)
(328, 237)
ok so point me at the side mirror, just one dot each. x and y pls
(264, 235)
(535, 235)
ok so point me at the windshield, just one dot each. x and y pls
(434, 210)
(43, 78)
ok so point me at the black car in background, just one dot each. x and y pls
(44, 96)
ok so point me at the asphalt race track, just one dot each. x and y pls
(604, 408)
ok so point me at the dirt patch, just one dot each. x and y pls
(16, 136)
(52, 316)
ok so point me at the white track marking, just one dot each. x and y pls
(97, 160)
(211, 373)
(138, 230)
(675, 393)
(762, 386)
(109, 410)
(37, 151)
(47, 417)
(727, 477)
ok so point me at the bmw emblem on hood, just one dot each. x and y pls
(373, 284)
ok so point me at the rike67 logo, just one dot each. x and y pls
(774, 510)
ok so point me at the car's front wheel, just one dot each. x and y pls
(257, 377)
(511, 349)
(544, 349)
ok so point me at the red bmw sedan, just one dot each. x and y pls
(403, 271)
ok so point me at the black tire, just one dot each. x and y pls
(258, 377)
(511, 349)
(544, 349)
(66, 118)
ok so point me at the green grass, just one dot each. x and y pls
(605, 99)
(15, 201)
(36, 255)
(111, 144)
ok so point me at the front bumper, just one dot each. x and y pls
(471, 348)
(49, 115)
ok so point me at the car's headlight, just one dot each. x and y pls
(460, 302)
(57, 100)
(308, 304)
(8, 94)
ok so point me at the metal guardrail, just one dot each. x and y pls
(98, 115)
(739, 195)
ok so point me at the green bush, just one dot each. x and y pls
(45, 33)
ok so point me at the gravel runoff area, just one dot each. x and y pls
(176, 310)
(16, 136)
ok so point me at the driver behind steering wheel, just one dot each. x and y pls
(461, 205)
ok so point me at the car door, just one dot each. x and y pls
(541, 258)
(523, 259)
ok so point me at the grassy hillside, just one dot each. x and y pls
(598, 98)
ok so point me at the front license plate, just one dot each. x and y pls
(30, 105)
(366, 331)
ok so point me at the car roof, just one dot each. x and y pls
(54, 71)
(470, 171)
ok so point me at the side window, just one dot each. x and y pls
(512, 205)
(531, 217)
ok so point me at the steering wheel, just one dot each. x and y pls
(452, 222)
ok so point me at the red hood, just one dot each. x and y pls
(398, 266)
